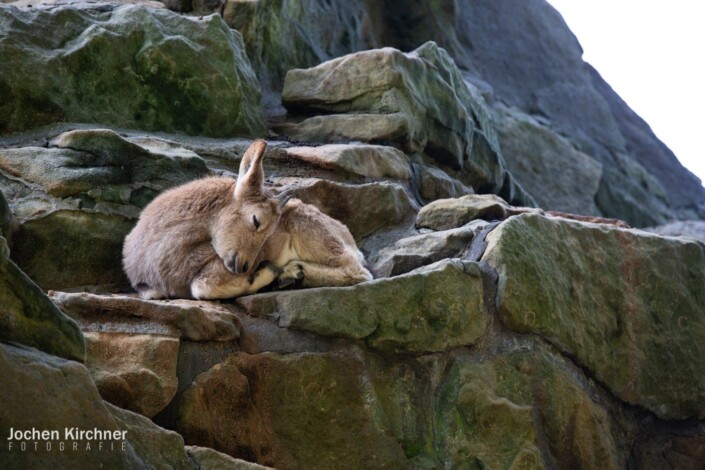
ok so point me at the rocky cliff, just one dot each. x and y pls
(488, 174)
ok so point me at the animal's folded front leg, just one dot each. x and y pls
(319, 275)
(216, 282)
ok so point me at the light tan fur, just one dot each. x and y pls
(199, 240)
(205, 228)
(312, 247)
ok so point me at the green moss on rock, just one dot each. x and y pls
(130, 66)
(629, 306)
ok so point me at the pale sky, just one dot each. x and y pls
(652, 53)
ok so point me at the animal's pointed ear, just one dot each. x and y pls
(250, 181)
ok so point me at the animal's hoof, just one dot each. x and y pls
(283, 283)
(292, 275)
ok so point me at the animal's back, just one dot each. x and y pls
(171, 241)
(317, 236)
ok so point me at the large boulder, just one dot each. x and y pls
(629, 306)
(128, 66)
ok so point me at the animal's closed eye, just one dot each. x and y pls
(255, 221)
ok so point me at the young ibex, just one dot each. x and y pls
(219, 238)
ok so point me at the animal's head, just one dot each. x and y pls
(242, 229)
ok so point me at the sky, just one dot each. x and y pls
(652, 53)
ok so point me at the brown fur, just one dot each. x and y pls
(199, 240)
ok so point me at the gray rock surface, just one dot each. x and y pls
(127, 66)
(27, 316)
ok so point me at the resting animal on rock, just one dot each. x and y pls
(218, 238)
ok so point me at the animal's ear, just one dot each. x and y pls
(250, 181)
(284, 196)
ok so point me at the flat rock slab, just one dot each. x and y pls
(28, 316)
(435, 308)
(186, 319)
(444, 214)
(371, 161)
(627, 305)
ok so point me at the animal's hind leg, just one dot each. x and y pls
(147, 293)
(216, 282)
(319, 275)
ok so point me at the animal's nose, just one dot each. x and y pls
(231, 263)
(245, 266)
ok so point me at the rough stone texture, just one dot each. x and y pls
(5, 214)
(281, 36)
(683, 228)
(417, 100)
(626, 305)
(517, 399)
(135, 372)
(671, 451)
(444, 214)
(203, 458)
(157, 447)
(257, 405)
(434, 183)
(556, 174)
(102, 168)
(186, 319)
(423, 249)
(385, 204)
(434, 308)
(370, 161)
(28, 317)
(52, 393)
(482, 34)
(569, 358)
(72, 248)
(128, 66)
(75, 201)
